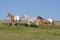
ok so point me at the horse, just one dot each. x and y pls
(14, 19)
(30, 20)
(46, 21)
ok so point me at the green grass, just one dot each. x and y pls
(8, 32)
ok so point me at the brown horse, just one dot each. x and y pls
(45, 21)
(14, 19)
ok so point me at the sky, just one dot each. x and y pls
(33, 8)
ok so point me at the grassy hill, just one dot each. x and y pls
(9, 32)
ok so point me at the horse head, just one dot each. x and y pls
(10, 15)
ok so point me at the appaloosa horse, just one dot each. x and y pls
(45, 21)
(14, 19)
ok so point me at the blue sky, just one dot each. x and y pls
(33, 8)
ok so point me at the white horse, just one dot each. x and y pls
(30, 20)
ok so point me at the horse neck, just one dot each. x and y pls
(41, 19)
(27, 17)
(11, 17)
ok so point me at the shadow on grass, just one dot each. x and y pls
(32, 25)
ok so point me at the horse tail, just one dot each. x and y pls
(52, 23)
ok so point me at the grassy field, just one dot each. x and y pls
(8, 32)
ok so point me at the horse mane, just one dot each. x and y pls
(39, 17)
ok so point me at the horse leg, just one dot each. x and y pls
(37, 23)
(29, 24)
(42, 25)
(52, 23)
(13, 24)
(18, 23)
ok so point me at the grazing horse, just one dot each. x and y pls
(14, 19)
(30, 20)
(46, 21)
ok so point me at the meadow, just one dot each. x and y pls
(22, 32)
